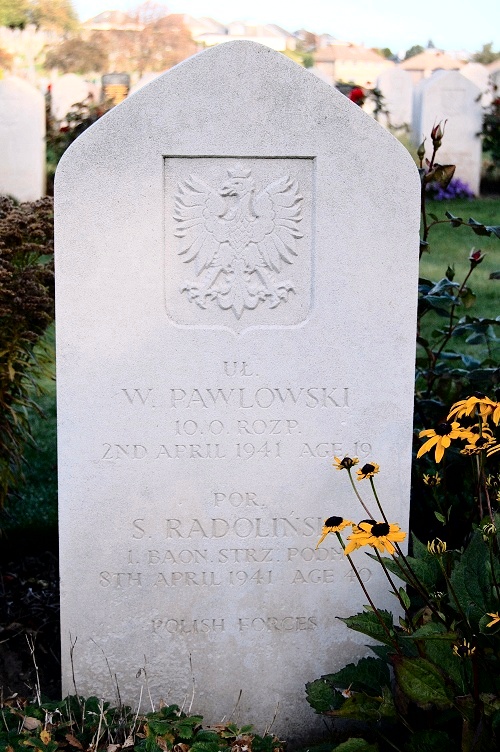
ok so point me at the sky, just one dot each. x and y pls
(397, 24)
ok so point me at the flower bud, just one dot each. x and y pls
(421, 150)
(437, 547)
(475, 257)
(437, 134)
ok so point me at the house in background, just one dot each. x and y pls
(425, 63)
(271, 35)
(350, 63)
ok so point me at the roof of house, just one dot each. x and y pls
(431, 59)
(351, 52)
(111, 18)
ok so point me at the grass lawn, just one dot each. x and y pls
(34, 509)
(451, 246)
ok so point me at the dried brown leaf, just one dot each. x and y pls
(30, 724)
(73, 741)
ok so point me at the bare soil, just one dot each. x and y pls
(29, 617)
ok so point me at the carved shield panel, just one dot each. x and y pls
(238, 241)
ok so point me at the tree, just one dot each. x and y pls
(164, 43)
(384, 51)
(53, 14)
(415, 50)
(149, 12)
(76, 55)
(486, 55)
(14, 13)
(157, 46)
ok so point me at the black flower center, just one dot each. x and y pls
(367, 469)
(347, 463)
(334, 521)
(444, 428)
(380, 529)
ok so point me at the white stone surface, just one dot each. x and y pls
(396, 86)
(68, 90)
(479, 75)
(22, 140)
(447, 95)
(228, 241)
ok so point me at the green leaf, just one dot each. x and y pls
(455, 221)
(356, 745)
(360, 707)
(437, 645)
(424, 566)
(369, 624)
(368, 675)
(322, 697)
(471, 582)
(430, 741)
(434, 217)
(422, 682)
(404, 597)
(440, 517)
(483, 624)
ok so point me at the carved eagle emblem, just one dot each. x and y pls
(238, 238)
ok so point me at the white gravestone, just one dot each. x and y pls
(22, 140)
(396, 86)
(447, 95)
(479, 75)
(228, 241)
(68, 90)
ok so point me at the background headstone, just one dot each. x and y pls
(396, 86)
(115, 87)
(447, 95)
(228, 241)
(479, 75)
(22, 140)
(66, 91)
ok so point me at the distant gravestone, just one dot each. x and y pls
(480, 76)
(447, 95)
(115, 87)
(227, 244)
(67, 91)
(22, 140)
(396, 86)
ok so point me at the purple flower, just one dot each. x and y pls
(455, 189)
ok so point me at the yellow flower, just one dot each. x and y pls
(482, 406)
(380, 535)
(489, 531)
(346, 463)
(495, 620)
(333, 525)
(368, 470)
(493, 450)
(437, 547)
(441, 438)
(464, 649)
(432, 480)
(45, 736)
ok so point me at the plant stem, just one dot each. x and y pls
(378, 502)
(359, 497)
(372, 605)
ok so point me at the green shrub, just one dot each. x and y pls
(26, 310)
